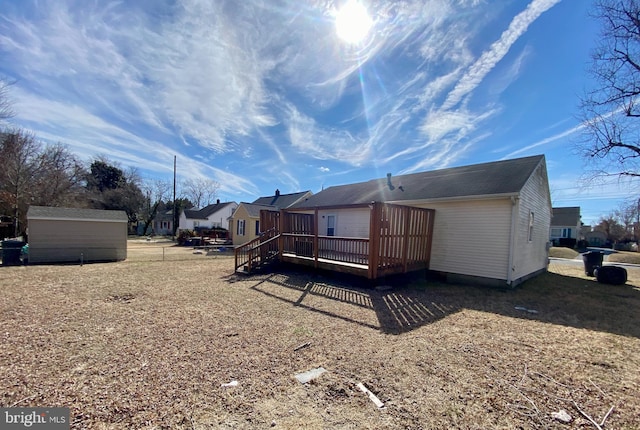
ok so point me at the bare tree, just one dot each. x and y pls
(201, 191)
(19, 152)
(59, 180)
(6, 107)
(611, 112)
(156, 191)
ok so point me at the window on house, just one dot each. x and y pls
(331, 225)
(556, 232)
(530, 226)
(257, 227)
(240, 227)
(566, 232)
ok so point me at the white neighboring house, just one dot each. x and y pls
(565, 224)
(215, 215)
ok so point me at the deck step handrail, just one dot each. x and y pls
(257, 251)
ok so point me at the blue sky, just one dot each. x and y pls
(260, 95)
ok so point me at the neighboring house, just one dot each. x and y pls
(486, 222)
(596, 238)
(245, 221)
(162, 224)
(565, 224)
(215, 215)
(64, 235)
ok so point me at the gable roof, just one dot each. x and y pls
(283, 201)
(75, 214)
(505, 177)
(565, 216)
(254, 209)
(206, 211)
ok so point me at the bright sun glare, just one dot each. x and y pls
(353, 22)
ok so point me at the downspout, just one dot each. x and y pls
(512, 238)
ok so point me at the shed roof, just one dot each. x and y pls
(494, 178)
(565, 216)
(75, 214)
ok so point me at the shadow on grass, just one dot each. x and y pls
(413, 302)
(397, 310)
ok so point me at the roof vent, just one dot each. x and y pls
(277, 192)
(391, 187)
(217, 201)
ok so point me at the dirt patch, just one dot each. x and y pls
(150, 345)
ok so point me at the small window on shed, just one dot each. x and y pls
(530, 226)
(240, 229)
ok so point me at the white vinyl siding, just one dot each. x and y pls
(530, 256)
(471, 237)
(348, 222)
(53, 241)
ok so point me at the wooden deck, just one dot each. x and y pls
(327, 264)
(399, 242)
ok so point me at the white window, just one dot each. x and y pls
(530, 226)
(556, 232)
(331, 225)
(240, 227)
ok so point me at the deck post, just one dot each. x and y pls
(280, 228)
(407, 225)
(431, 214)
(374, 239)
(315, 237)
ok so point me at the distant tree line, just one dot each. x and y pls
(35, 173)
(622, 224)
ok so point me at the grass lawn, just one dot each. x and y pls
(148, 345)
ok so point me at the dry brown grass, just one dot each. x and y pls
(625, 257)
(560, 252)
(148, 345)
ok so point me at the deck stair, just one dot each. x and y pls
(259, 254)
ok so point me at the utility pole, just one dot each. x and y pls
(175, 207)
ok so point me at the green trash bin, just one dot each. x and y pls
(11, 250)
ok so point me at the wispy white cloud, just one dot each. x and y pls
(259, 88)
(487, 61)
(545, 141)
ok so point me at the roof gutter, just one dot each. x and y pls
(457, 198)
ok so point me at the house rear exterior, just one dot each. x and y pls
(491, 220)
(65, 235)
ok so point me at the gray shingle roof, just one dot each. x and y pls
(282, 201)
(568, 216)
(206, 211)
(55, 213)
(254, 210)
(499, 177)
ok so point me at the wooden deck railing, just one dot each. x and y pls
(340, 249)
(257, 251)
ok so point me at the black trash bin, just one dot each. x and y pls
(11, 250)
(592, 260)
